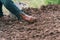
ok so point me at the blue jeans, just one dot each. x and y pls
(9, 4)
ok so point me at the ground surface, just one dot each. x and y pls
(47, 27)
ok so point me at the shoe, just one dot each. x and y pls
(28, 18)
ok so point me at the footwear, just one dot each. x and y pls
(28, 18)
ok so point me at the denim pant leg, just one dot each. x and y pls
(1, 13)
(9, 4)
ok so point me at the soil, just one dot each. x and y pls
(46, 27)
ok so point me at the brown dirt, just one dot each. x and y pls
(47, 26)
